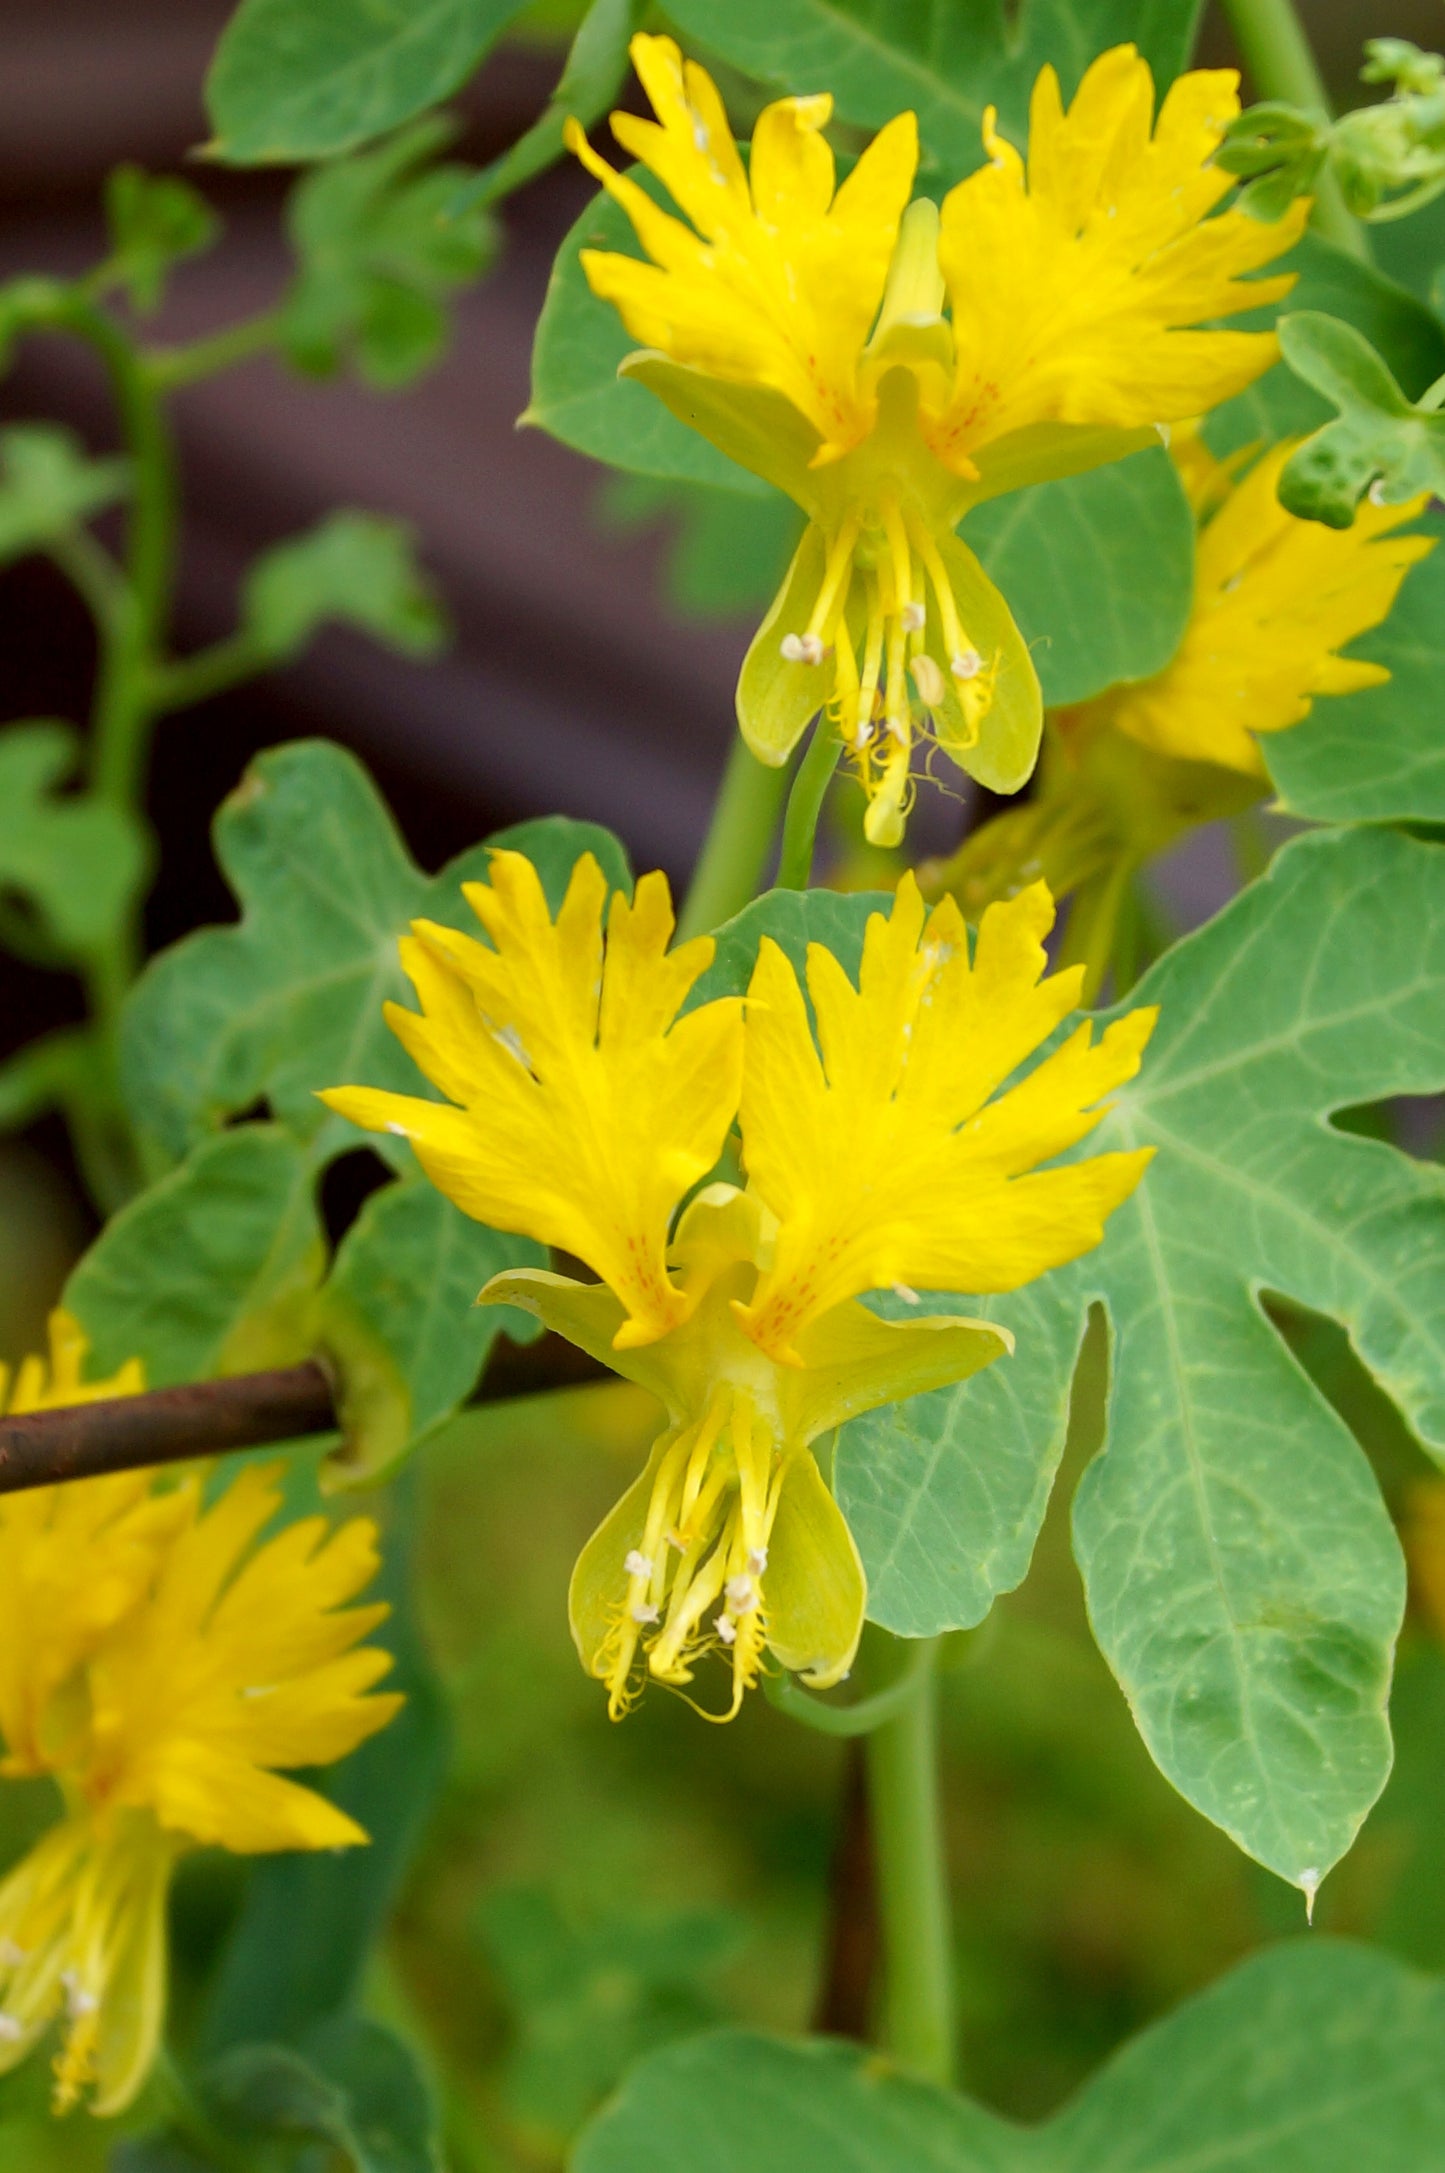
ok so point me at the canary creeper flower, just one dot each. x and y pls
(585, 1103)
(226, 1662)
(889, 363)
(1275, 601)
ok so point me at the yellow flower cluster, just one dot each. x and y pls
(890, 363)
(161, 1667)
(589, 1093)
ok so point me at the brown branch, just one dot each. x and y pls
(203, 1418)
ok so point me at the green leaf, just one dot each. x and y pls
(946, 60)
(1243, 1577)
(1397, 326)
(943, 1529)
(306, 79)
(595, 72)
(726, 553)
(298, 1953)
(1381, 442)
(794, 919)
(79, 863)
(592, 1996)
(1098, 571)
(398, 1313)
(209, 1271)
(289, 1000)
(1315, 2057)
(353, 567)
(354, 2086)
(154, 221)
(380, 248)
(1377, 755)
(49, 486)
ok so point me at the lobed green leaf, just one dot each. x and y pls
(355, 568)
(289, 1000)
(1315, 2057)
(309, 79)
(79, 863)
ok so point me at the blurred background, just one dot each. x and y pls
(582, 679)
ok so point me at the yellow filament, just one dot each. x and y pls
(833, 592)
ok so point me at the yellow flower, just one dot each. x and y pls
(73, 1558)
(883, 1156)
(228, 1665)
(890, 363)
(1275, 600)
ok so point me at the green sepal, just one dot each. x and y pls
(854, 1362)
(1003, 755)
(753, 425)
(597, 1575)
(816, 1589)
(777, 696)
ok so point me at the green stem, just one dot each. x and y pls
(1281, 63)
(170, 367)
(912, 1879)
(735, 851)
(788, 1696)
(185, 2115)
(805, 805)
(192, 679)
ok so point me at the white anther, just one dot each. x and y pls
(757, 1560)
(802, 648)
(863, 732)
(643, 1613)
(11, 2031)
(907, 1293)
(11, 1955)
(726, 1629)
(739, 1593)
(1376, 491)
(966, 665)
(78, 2000)
(898, 730)
(928, 679)
(915, 618)
(638, 1564)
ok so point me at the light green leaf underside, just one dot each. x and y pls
(399, 1312)
(290, 999)
(306, 79)
(944, 59)
(1317, 2057)
(211, 1270)
(1243, 1578)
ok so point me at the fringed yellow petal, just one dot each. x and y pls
(591, 1107)
(1076, 279)
(872, 1150)
(74, 1558)
(1275, 598)
(777, 281)
(240, 1661)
